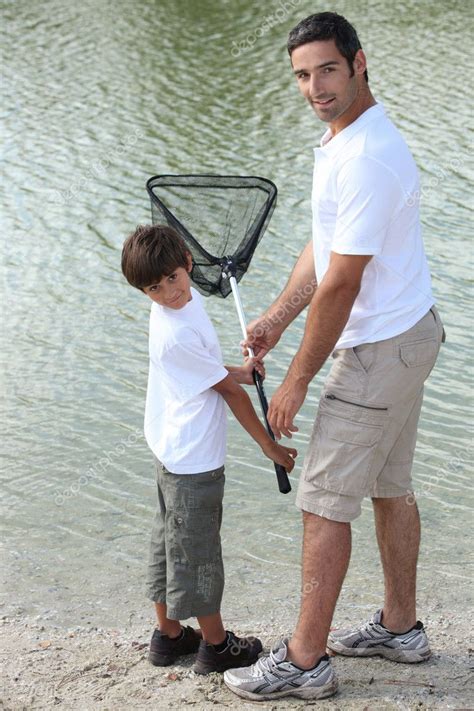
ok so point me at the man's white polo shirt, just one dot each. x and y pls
(365, 200)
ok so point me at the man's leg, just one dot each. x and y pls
(397, 523)
(393, 632)
(326, 554)
(300, 667)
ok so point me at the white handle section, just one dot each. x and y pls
(240, 309)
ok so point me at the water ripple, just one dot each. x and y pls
(98, 97)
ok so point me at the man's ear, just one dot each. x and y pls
(189, 265)
(360, 62)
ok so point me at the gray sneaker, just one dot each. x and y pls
(372, 639)
(273, 677)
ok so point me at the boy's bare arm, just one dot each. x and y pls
(241, 406)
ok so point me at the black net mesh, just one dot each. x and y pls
(221, 218)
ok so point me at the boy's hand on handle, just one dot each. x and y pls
(262, 335)
(243, 374)
(248, 367)
(279, 454)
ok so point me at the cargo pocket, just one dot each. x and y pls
(419, 353)
(343, 448)
(193, 536)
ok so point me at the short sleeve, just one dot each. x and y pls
(369, 197)
(188, 368)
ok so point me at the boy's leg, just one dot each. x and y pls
(171, 628)
(195, 575)
(213, 631)
(155, 586)
(170, 640)
(195, 571)
(156, 574)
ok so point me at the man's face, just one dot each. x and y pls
(324, 78)
(172, 291)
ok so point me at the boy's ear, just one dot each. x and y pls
(190, 262)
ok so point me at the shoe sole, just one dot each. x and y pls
(203, 669)
(165, 660)
(308, 692)
(403, 656)
(160, 660)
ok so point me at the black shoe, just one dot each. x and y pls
(239, 652)
(164, 650)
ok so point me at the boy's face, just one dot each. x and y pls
(174, 290)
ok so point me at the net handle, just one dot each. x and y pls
(280, 471)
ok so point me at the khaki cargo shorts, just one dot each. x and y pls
(185, 568)
(364, 436)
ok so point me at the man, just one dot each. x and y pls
(366, 281)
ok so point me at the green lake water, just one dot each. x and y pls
(97, 97)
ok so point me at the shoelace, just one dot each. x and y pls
(264, 664)
(378, 628)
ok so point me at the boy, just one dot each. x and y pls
(185, 427)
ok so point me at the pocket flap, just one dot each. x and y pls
(419, 352)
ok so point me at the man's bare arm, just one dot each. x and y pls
(298, 291)
(327, 316)
(265, 332)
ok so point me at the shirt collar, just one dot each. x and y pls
(331, 146)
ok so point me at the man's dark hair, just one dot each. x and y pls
(327, 26)
(152, 252)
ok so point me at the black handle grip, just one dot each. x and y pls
(280, 471)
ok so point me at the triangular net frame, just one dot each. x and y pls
(219, 217)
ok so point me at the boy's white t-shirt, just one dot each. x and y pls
(365, 201)
(185, 420)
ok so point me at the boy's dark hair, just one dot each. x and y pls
(327, 26)
(152, 252)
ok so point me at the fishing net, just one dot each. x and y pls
(221, 219)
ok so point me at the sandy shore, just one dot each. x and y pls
(46, 667)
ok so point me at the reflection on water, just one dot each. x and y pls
(98, 97)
